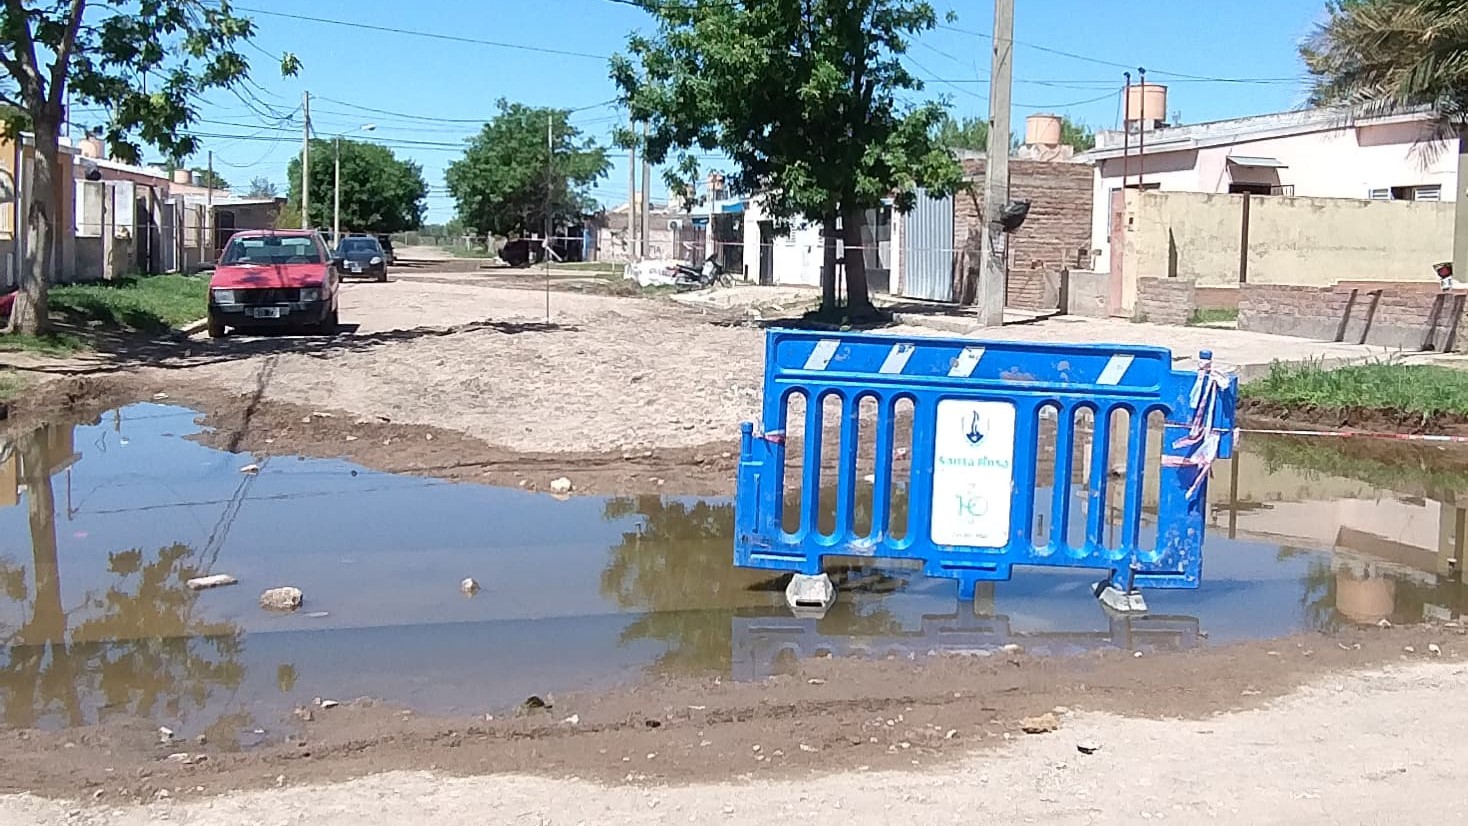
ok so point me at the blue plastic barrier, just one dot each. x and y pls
(976, 409)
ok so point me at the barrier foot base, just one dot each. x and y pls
(1123, 602)
(810, 596)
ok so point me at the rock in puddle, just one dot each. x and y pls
(470, 586)
(561, 485)
(281, 599)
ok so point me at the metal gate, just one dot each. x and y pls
(975, 457)
(927, 249)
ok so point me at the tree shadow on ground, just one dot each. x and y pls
(115, 351)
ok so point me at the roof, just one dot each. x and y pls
(1112, 143)
(282, 233)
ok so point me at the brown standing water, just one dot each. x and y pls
(102, 524)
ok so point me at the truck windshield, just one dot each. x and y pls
(272, 250)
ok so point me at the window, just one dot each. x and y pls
(360, 245)
(1424, 192)
(273, 249)
(1251, 189)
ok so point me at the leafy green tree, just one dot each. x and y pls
(213, 180)
(147, 63)
(380, 193)
(1077, 135)
(506, 179)
(261, 188)
(803, 97)
(973, 133)
(963, 133)
(1387, 56)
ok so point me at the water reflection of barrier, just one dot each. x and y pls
(976, 409)
(760, 644)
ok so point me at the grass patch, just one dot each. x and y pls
(150, 304)
(48, 344)
(10, 386)
(1214, 316)
(1418, 389)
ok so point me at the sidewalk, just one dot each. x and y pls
(1251, 353)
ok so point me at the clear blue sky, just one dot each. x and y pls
(420, 78)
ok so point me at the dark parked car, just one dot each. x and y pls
(362, 256)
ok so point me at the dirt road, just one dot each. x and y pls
(1354, 748)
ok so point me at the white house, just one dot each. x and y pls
(1327, 153)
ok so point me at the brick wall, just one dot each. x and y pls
(1216, 298)
(1402, 318)
(1165, 300)
(1054, 235)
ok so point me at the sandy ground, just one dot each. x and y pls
(604, 373)
(1367, 747)
(471, 353)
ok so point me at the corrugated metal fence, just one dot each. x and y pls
(927, 249)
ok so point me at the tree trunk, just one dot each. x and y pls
(858, 295)
(31, 313)
(828, 264)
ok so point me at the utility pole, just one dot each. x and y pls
(206, 237)
(646, 193)
(336, 206)
(632, 198)
(1460, 212)
(996, 170)
(550, 163)
(306, 164)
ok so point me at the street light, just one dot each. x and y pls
(336, 212)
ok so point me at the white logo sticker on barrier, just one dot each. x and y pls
(973, 473)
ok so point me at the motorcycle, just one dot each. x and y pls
(686, 277)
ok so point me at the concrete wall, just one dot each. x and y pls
(1323, 240)
(1086, 293)
(1302, 241)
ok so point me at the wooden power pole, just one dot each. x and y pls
(996, 170)
(646, 194)
(632, 198)
(306, 164)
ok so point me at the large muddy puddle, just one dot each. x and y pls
(102, 524)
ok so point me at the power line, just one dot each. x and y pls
(430, 35)
(477, 121)
(1113, 64)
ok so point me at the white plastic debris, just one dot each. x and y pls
(561, 485)
(202, 583)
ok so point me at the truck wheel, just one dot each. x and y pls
(216, 327)
(331, 324)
